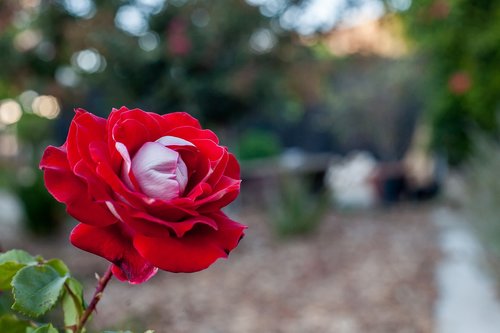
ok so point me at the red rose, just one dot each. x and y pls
(147, 190)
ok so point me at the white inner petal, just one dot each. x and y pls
(127, 163)
(160, 171)
(173, 141)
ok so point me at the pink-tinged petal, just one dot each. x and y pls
(114, 244)
(176, 119)
(190, 133)
(107, 175)
(224, 193)
(136, 199)
(197, 250)
(159, 171)
(225, 200)
(150, 122)
(126, 164)
(86, 210)
(131, 133)
(168, 141)
(133, 198)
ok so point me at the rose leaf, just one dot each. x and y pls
(36, 289)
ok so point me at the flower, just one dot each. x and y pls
(147, 189)
(459, 83)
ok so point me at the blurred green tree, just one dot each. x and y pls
(459, 40)
(215, 60)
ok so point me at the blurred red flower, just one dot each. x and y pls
(179, 43)
(459, 83)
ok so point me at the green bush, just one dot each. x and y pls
(295, 209)
(459, 41)
(258, 144)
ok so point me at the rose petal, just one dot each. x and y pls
(59, 179)
(133, 198)
(232, 168)
(226, 191)
(72, 190)
(143, 223)
(190, 133)
(197, 250)
(176, 119)
(150, 122)
(173, 141)
(126, 165)
(159, 171)
(84, 129)
(114, 244)
(132, 133)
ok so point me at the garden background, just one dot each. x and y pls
(367, 132)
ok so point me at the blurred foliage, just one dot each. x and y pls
(43, 215)
(258, 144)
(295, 208)
(459, 40)
(215, 61)
(220, 62)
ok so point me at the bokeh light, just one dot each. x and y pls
(46, 106)
(27, 40)
(26, 98)
(10, 112)
(89, 61)
(149, 41)
(262, 41)
(130, 19)
(80, 8)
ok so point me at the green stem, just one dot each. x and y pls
(102, 282)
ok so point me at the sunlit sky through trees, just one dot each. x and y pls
(306, 18)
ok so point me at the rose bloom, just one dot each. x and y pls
(147, 189)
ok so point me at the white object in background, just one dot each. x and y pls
(350, 181)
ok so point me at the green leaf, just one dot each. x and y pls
(36, 289)
(18, 256)
(10, 263)
(45, 329)
(72, 303)
(7, 270)
(12, 324)
(6, 301)
(59, 266)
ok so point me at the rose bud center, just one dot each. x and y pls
(159, 171)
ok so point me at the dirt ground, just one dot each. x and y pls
(363, 272)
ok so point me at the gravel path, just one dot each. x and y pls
(360, 273)
(463, 279)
